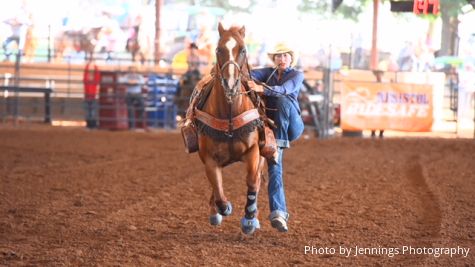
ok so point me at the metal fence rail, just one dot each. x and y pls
(55, 92)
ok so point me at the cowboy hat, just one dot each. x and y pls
(282, 48)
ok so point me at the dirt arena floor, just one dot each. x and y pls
(72, 197)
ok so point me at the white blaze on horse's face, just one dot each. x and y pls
(230, 44)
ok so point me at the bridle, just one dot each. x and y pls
(235, 123)
(231, 93)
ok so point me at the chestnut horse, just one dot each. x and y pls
(228, 126)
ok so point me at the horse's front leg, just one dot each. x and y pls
(219, 205)
(254, 163)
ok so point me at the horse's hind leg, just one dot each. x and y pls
(250, 222)
(219, 205)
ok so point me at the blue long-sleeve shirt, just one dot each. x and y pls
(288, 86)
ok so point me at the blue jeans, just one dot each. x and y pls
(289, 127)
(91, 113)
(286, 115)
(135, 102)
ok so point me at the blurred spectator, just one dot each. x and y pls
(358, 58)
(19, 23)
(329, 58)
(466, 89)
(133, 44)
(194, 63)
(31, 42)
(135, 84)
(423, 58)
(379, 78)
(109, 34)
(190, 58)
(194, 60)
(406, 57)
(205, 45)
(388, 64)
(91, 80)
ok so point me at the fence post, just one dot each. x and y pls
(47, 107)
(49, 56)
(327, 127)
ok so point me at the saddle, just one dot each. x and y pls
(267, 142)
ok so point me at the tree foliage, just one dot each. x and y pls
(449, 12)
(243, 6)
(347, 10)
(351, 9)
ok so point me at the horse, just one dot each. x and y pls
(78, 41)
(133, 45)
(228, 128)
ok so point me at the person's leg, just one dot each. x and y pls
(296, 125)
(5, 45)
(87, 109)
(277, 203)
(94, 108)
(130, 111)
(288, 120)
(142, 113)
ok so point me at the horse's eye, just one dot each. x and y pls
(243, 51)
(218, 50)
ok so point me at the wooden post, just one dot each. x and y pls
(374, 46)
(158, 8)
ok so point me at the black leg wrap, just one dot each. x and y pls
(251, 205)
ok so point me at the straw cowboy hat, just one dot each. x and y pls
(282, 48)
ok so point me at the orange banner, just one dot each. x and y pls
(386, 106)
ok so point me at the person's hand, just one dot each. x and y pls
(255, 87)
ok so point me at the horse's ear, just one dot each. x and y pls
(220, 29)
(242, 31)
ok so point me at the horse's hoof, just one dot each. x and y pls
(215, 219)
(227, 210)
(249, 226)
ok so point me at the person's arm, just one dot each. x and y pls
(85, 74)
(291, 85)
(260, 74)
(141, 80)
(144, 84)
(97, 75)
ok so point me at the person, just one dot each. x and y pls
(91, 80)
(406, 57)
(193, 59)
(379, 78)
(133, 44)
(281, 88)
(466, 90)
(205, 45)
(190, 78)
(19, 24)
(134, 82)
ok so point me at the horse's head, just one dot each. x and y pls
(231, 59)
